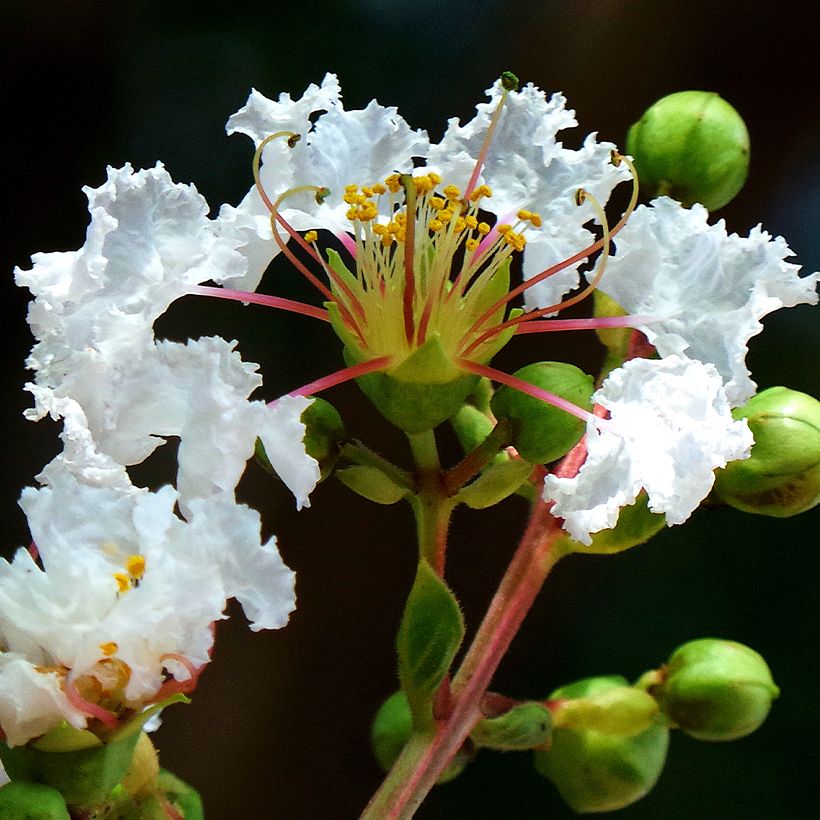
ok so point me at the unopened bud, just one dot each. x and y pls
(542, 432)
(692, 146)
(782, 476)
(715, 690)
(31, 801)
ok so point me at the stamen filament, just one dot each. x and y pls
(261, 299)
(94, 710)
(525, 387)
(409, 242)
(340, 376)
(584, 324)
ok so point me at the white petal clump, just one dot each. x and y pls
(706, 291)
(528, 168)
(59, 622)
(342, 148)
(670, 427)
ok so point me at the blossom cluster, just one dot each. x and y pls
(121, 584)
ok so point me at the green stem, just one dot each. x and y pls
(426, 756)
(357, 453)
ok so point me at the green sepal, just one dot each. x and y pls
(415, 396)
(542, 432)
(498, 481)
(85, 775)
(525, 726)
(392, 727)
(621, 710)
(338, 266)
(636, 525)
(595, 771)
(430, 634)
(372, 484)
(65, 738)
(31, 801)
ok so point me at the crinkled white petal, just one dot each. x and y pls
(61, 615)
(149, 239)
(528, 168)
(670, 428)
(358, 147)
(706, 290)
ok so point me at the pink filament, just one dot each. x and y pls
(88, 708)
(261, 299)
(341, 376)
(172, 686)
(582, 324)
(525, 387)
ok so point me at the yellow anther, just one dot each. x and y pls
(352, 213)
(367, 191)
(400, 217)
(423, 184)
(393, 227)
(434, 178)
(482, 190)
(387, 240)
(108, 649)
(535, 220)
(471, 244)
(483, 228)
(368, 211)
(461, 224)
(525, 215)
(437, 202)
(504, 228)
(378, 188)
(445, 215)
(452, 192)
(135, 564)
(436, 225)
(379, 229)
(472, 222)
(311, 236)
(351, 197)
(123, 581)
(393, 183)
(351, 189)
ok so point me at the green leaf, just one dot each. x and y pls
(497, 482)
(372, 484)
(430, 634)
(525, 726)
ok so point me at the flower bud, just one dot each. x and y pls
(392, 728)
(541, 432)
(597, 771)
(31, 801)
(782, 476)
(692, 146)
(715, 690)
(324, 430)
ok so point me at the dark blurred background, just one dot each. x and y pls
(279, 724)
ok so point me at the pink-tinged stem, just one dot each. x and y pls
(582, 324)
(261, 299)
(88, 708)
(347, 240)
(525, 387)
(341, 376)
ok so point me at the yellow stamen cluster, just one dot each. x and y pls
(109, 648)
(134, 570)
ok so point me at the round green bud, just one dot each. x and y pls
(391, 730)
(715, 690)
(782, 476)
(541, 432)
(31, 801)
(324, 430)
(692, 146)
(596, 771)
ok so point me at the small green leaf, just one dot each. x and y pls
(497, 482)
(372, 484)
(430, 634)
(525, 726)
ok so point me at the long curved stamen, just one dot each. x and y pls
(525, 387)
(409, 247)
(509, 82)
(341, 376)
(617, 158)
(94, 710)
(261, 299)
(592, 323)
(581, 196)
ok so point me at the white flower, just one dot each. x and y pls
(528, 168)
(148, 242)
(126, 590)
(343, 147)
(670, 428)
(705, 291)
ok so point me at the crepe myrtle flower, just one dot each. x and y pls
(148, 241)
(111, 608)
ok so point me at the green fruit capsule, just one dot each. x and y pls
(597, 771)
(391, 730)
(692, 146)
(715, 690)
(781, 478)
(541, 432)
